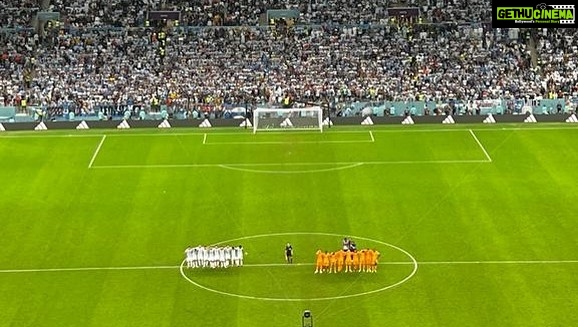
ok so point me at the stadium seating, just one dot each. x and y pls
(17, 13)
(220, 57)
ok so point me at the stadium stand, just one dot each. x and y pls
(17, 13)
(103, 60)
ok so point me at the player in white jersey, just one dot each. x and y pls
(214, 257)
(189, 257)
(195, 257)
(228, 254)
(217, 257)
(206, 261)
(241, 255)
(209, 257)
(234, 257)
(221, 257)
(199, 261)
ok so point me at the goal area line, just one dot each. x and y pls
(257, 265)
(290, 130)
(370, 139)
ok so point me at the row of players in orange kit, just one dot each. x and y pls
(359, 260)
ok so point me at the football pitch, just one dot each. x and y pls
(476, 226)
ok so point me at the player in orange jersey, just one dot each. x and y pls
(368, 260)
(349, 261)
(355, 257)
(326, 256)
(360, 260)
(332, 262)
(340, 259)
(318, 262)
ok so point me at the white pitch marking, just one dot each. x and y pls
(372, 138)
(249, 170)
(504, 262)
(495, 129)
(16, 136)
(278, 264)
(6, 271)
(431, 263)
(292, 164)
(96, 151)
(481, 146)
(405, 279)
(443, 263)
(205, 138)
(288, 142)
(135, 133)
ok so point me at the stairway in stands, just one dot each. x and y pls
(532, 45)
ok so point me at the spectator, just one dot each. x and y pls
(96, 63)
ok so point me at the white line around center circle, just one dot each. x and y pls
(412, 261)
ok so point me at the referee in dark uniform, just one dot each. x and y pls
(289, 253)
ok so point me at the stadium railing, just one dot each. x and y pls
(456, 107)
(7, 114)
(10, 114)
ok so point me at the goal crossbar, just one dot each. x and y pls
(274, 119)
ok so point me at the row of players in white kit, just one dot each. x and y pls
(214, 256)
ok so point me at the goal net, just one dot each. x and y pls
(265, 119)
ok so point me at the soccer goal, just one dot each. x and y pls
(266, 119)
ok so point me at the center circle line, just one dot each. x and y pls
(413, 262)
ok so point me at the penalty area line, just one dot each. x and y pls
(95, 154)
(440, 263)
(281, 164)
(480, 145)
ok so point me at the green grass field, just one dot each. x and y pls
(94, 225)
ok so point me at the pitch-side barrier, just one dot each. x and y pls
(80, 124)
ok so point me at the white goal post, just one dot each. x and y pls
(269, 119)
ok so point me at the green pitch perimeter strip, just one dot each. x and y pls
(412, 261)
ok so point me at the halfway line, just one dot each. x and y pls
(441, 263)
(5, 271)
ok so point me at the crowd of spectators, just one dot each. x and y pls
(17, 13)
(461, 11)
(95, 60)
(80, 13)
(557, 51)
